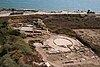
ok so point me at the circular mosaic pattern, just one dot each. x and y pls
(62, 41)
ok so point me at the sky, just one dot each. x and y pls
(52, 4)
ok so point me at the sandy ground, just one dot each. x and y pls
(3, 15)
(80, 56)
(41, 13)
(91, 35)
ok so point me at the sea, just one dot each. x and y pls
(56, 5)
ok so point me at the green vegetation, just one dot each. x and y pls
(25, 49)
(60, 24)
(14, 32)
(1, 39)
(6, 61)
(12, 47)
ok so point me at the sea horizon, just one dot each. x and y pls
(52, 5)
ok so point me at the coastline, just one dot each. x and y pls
(19, 12)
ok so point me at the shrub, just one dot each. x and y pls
(1, 39)
(6, 61)
(25, 49)
(14, 32)
(22, 35)
(65, 31)
(1, 49)
(3, 24)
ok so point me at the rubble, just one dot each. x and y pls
(58, 50)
